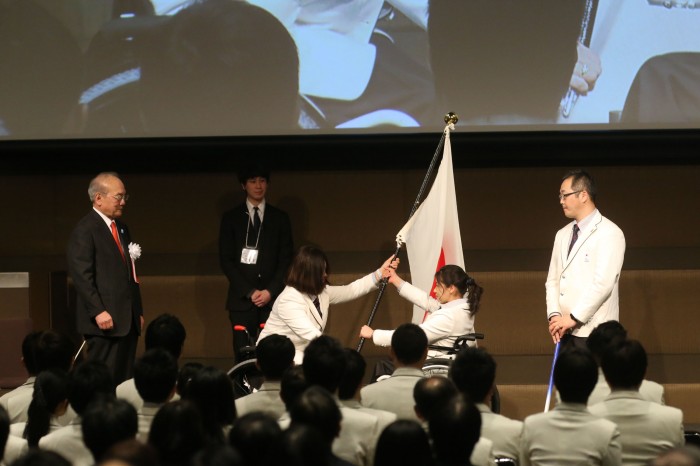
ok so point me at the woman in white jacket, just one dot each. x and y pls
(300, 312)
(448, 315)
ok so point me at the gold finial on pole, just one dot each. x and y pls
(451, 118)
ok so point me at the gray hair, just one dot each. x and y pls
(97, 184)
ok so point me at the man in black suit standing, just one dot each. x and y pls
(255, 250)
(109, 313)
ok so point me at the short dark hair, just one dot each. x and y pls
(167, 332)
(308, 270)
(302, 448)
(355, 366)
(37, 457)
(185, 375)
(258, 438)
(625, 365)
(132, 452)
(253, 170)
(473, 372)
(403, 442)
(605, 334)
(409, 343)
(211, 390)
(317, 407)
(275, 353)
(47, 349)
(575, 374)
(455, 429)
(292, 385)
(431, 393)
(177, 432)
(324, 362)
(155, 375)
(87, 381)
(106, 422)
(583, 181)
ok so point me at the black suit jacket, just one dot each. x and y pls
(102, 279)
(274, 256)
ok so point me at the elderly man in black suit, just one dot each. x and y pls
(255, 250)
(101, 258)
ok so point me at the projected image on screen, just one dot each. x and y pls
(136, 68)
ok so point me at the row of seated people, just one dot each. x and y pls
(319, 413)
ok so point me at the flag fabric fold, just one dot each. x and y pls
(432, 235)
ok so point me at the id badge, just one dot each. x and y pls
(249, 256)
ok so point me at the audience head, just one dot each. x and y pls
(49, 398)
(409, 345)
(317, 407)
(292, 385)
(107, 422)
(212, 392)
(688, 455)
(210, 73)
(454, 275)
(430, 394)
(604, 335)
(351, 381)
(184, 377)
(177, 433)
(575, 375)
(275, 354)
(258, 438)
(167, 332)
(130, 452)
(47, 349)
(403, 442)
(474, 373)
(624, 365)
(218, 455)
(309, 271)
(324, 362)
(88, 381)
(37, 457)
(302, 448)
(155, 374)
(455, 428)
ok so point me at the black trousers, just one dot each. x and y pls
(118, 353)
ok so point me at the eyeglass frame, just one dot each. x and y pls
(118, 197)
(565, 195)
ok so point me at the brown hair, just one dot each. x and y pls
(308, 271)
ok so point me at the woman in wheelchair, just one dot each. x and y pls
(448, 315)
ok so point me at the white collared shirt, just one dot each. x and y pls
(251, 210)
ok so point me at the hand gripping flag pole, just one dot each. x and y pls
(450, 120)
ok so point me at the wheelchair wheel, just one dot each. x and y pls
(246, 378)
(441, 367)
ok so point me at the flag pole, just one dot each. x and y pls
(551, 377)
(450, 119)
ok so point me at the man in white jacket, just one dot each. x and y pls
(584, 273)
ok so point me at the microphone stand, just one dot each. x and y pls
(450, 120)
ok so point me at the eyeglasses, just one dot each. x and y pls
(119, 197)
(564, 196)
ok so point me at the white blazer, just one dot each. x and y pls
(586, 283)
(295, 316)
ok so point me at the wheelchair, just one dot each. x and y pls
(441, 366)
(246, 376)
